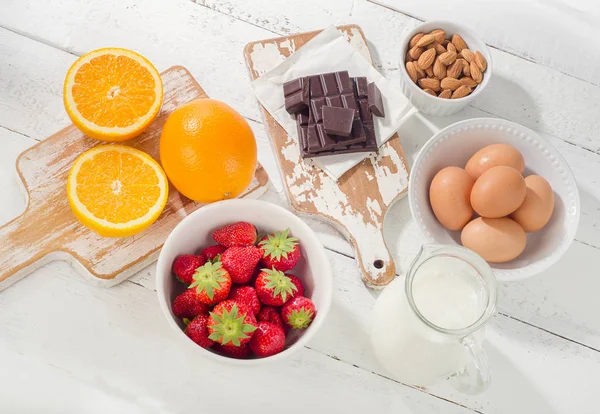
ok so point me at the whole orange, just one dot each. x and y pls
(208, 151)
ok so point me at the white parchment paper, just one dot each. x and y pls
(329, 52)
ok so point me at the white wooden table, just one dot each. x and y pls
(66, 347)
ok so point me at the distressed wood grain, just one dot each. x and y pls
(357, 203)
(48, 230)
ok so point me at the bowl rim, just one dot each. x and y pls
(502, 275)
(325, 273)
(464, 29)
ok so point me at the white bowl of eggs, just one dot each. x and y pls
(499, 189)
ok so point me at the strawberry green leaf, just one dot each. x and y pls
(278, 245)
(279, 283)
(300, 319)
(209, 277)
(230, 327)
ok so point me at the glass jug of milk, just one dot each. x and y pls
(428, 325)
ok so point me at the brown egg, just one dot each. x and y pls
(497, 240)
(498, 192)
(492, 156)
(449, 197)
(538, 206)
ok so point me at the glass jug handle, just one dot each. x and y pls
(475, 377)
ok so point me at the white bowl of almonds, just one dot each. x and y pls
(444, 66)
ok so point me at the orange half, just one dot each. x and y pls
(116, 191)
(112, 94)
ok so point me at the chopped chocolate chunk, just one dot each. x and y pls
(296, 95)
(338, 121)
(361, 86)
(375, 100)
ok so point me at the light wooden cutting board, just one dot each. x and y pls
(48, 230)
(357, 203)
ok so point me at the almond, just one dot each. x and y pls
(476, 73)
(451, 48)
(430, 83)
(430, 92)
(458, 42)
(415, 39)
(480, 60)
(467, 80)
(408, 57)
(412, 73)
(426, 40)
(466, 69)
(429, 72)
(439, 48)
(420, 72)
(426, 59)
(447, 58)
(439, 69)
(439, 35)
(455, 69)
(445, 94)
(467, 55)
(416, 52)
(450, 83)
(461, 92)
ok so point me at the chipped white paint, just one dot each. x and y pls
(390, 183)
(265, 57)
(289, 45)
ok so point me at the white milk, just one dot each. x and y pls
(449, 294)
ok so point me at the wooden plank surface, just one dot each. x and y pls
(543, 343)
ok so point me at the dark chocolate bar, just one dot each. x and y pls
(326, 92)
(375, 100)
(296, 94)
(338, 120)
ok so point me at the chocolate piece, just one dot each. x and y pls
(338, 121)
(296, 95)
(302, 127)
(361, 86)
(375, 100)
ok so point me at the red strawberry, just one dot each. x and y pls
(231, 323)
(197, 330)
(185, 265)
(299, 312)
(299, 286)
(238, 352)
(246, 295)
(212, 283)
(240, 262)
(188, 305)
(213, 252)
(270, 314)
(280, 252)
(269, 339)
(274, 287)
(236, 234)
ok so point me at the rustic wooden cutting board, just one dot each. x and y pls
(357, 203)
(48, 230)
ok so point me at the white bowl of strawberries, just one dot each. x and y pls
(243, 281)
